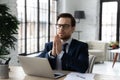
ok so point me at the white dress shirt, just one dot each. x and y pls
(59, 63)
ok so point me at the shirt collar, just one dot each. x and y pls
(68, 41)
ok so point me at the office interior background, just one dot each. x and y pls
(38, 18)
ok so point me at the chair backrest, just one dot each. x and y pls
(91, 63)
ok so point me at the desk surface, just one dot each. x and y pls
(17, 73)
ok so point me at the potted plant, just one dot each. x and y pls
(8, 29)
(114, 44)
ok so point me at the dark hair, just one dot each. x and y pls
(67, 15)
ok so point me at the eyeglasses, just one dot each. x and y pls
(64, 26)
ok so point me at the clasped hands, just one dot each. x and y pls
(57, 46)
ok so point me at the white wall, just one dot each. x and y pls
(12, 5)
(88, 26)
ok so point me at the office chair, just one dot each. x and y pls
(91, 63)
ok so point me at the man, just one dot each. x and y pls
(75, 56)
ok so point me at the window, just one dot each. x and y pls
(37, 19)
(109, 21)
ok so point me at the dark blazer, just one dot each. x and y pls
(75, 60)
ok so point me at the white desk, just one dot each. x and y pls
(116, 51)
(16, 73)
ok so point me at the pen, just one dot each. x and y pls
(80, 76)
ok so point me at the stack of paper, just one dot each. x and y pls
(79, 76)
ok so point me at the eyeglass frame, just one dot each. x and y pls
(64, 26)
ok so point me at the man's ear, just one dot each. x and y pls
(73, 29)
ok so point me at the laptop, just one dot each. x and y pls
(36, 66)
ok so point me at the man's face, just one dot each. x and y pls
(64, 28)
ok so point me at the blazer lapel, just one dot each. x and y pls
(71, 47)
(65, 57)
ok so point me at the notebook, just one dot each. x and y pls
(37, 66)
